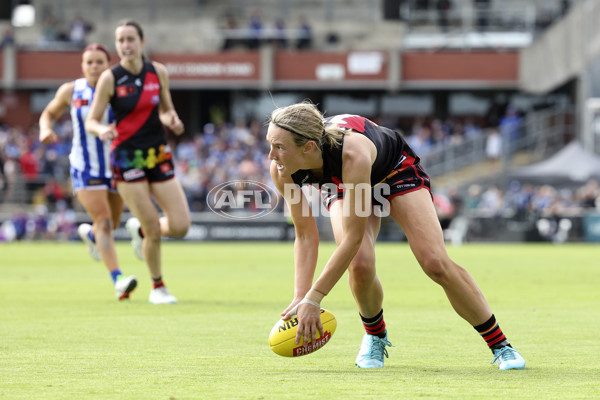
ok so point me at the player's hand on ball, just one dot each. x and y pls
(309, 322)
(291, 310)
(283, 335)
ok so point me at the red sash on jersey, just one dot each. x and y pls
(129, 125)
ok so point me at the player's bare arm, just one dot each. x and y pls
(104, 91)
(166, 110)
(306, 243)
(357, 159)
(57, 107)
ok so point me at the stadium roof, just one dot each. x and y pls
(572, 164)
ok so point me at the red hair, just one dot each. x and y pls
(97, 46)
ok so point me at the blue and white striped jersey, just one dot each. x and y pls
(88, 153)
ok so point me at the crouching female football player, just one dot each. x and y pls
(345, 154)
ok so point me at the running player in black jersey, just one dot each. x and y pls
(141, 161)
(365, 167)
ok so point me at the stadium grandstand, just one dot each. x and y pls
(481, 89)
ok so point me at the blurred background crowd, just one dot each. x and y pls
(225, 152)
(471, 136)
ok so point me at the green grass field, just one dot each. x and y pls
(63, 335)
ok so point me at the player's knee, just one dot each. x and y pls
(361, 270)
(179, 232)
(103, 226)
(106, 225)
(435, 266)
(152, 232)
(178, 228)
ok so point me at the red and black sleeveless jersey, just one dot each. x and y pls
(393, 153)
(135, 105)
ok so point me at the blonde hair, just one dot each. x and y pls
(305, 122)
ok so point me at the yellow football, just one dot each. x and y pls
(283, 335)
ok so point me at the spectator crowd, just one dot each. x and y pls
(254, 33)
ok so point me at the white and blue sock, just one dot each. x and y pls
(115, 274)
